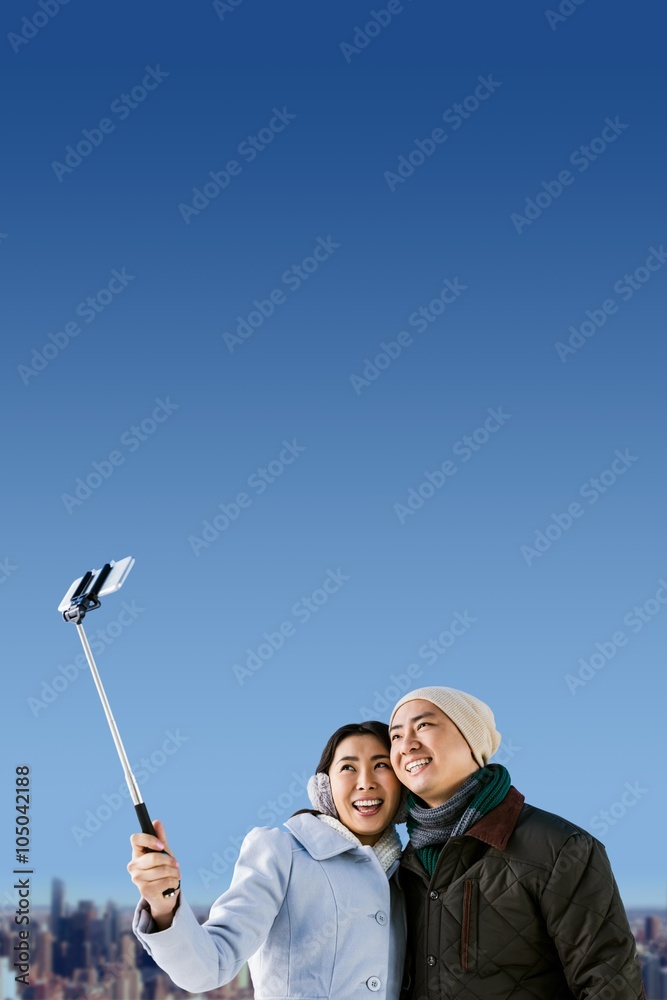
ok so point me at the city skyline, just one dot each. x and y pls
(91, 948)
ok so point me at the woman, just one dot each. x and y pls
(312, 907)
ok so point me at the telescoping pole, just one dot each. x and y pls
(139, 804)
(82, 597)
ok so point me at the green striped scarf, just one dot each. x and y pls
(430, 829)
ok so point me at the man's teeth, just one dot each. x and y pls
(413, 765)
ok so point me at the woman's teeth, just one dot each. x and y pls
(367, 806)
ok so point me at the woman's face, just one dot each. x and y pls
(366, 792)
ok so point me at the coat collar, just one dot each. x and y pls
(320, 840)
(496, 826)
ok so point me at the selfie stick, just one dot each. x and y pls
(83, 596)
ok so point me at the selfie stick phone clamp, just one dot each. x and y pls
(82, 597)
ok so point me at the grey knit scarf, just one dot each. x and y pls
(481, 792)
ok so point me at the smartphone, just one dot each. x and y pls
(112, 576)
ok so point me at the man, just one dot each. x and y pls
(503, 899)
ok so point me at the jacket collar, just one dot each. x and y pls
(320, 840)
(496, 827)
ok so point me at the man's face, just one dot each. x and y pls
(428, 752)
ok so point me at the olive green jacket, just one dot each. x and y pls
(524, 906)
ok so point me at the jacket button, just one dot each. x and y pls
(373, 984)
(381, 917)
(433, 894)
(431, 960)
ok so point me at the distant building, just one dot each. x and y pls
(111, 932)
(652, 928)
(653, 980)
(57, 905)
(242, 981)
(44, 953)
(7, 982)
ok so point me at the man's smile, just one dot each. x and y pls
(415, 766)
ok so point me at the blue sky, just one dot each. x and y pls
(348, 327)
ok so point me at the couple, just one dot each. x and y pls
(491, 899)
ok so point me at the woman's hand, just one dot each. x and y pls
(153, 872)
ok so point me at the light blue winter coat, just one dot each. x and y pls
(313, 914)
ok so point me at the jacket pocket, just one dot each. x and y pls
(469, 925)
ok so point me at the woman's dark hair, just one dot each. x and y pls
(372, 728)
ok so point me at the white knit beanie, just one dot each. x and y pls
(471, 716)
